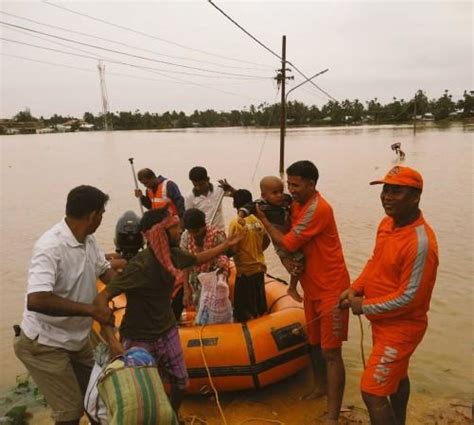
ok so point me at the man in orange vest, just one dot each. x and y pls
(394, 292)
(160, 193)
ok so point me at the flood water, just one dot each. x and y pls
(37, 171)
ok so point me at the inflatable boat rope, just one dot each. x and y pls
(216, 393)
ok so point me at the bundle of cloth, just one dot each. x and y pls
(214, 302)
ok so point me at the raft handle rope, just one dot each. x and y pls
(216, 394)
(201, 346)
(278, 279)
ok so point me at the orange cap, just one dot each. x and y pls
(402, 176)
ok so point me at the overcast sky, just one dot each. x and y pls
(372, 49)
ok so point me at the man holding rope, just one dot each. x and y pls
(394, 292)
(325, 276)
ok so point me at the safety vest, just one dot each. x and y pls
(159, 199)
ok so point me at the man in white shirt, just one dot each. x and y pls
(207, 197)
(53, 343)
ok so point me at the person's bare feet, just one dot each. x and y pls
(315, 393)
(293, 293)
(324, 420)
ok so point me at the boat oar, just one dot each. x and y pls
(136, 183)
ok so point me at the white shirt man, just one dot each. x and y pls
(67, 268)
(207, 197)
(53, 343)
(208, 203)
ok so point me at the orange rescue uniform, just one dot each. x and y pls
(397, 283)
(325, 275)
(159, 198)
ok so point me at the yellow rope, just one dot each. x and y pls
(362, 352)
(270, 421)
(273, 421)
(201, 344)
(298, 330)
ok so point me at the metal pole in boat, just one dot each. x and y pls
(136, 183)
(282, 78)
(219, 202)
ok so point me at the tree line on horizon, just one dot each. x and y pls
(398, 111)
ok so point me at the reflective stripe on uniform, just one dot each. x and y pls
(308, 215)
(415, 278)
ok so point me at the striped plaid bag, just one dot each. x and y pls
(135, 396)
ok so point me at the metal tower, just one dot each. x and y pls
(105, 101)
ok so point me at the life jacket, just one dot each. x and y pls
(159, 199)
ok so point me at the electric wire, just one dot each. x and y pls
(49, 3)
(130, 54)
(262, 146)
(79, 68)
(105, 58)
(149, 69)
(121, 43)
(57, 43)
(270, 50)
(244, 30)
(311, 92)
(48, 63)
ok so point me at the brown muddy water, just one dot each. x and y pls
(37, 171)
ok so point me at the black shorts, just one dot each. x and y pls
(249, 297)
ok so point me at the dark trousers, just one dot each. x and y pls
(249, 297)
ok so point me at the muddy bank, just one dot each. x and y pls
(277, 404)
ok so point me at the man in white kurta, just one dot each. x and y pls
(53, 343)
(205, 197)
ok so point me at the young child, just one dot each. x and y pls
(275, 204)
(249, 294)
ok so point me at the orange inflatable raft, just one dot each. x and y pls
(243, 355)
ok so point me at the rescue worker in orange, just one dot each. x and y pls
(160, 193)
(394, 292)
(314, 232)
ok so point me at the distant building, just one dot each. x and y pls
(12, 131)
(456, 113)
(86, 127)
(44, 130)
(61, 128)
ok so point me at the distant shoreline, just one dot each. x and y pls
(420, 109)
(15, 128)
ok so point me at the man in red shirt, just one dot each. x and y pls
(394, 292)
(325, 276)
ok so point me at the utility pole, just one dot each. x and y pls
(281, 79)
(105, 101)
(414, 115)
